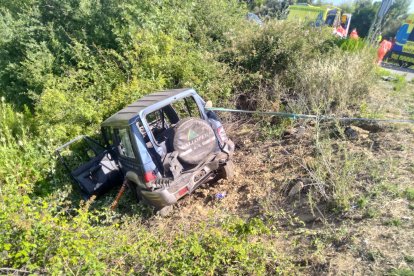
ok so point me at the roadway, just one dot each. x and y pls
(409, 73)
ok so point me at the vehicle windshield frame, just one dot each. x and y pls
(143, 114)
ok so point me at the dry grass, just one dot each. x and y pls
(330, 84)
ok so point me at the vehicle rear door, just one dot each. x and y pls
(91, 166)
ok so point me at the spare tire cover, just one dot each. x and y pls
(194, 139)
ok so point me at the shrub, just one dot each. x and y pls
(334, 83)
(299, 66)
(351, 45)
(333, 172)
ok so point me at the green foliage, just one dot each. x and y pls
(82, 60)
(302, 65)
(53, 244)
(363, 16)
(393, 222)
(66, 66)
(351, 45)
(409, 193)
(399, 82)
(365, 11)
(401, 272)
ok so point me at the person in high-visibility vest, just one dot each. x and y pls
(384, 47)
(354, 34)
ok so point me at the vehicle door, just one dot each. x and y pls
(91, 166)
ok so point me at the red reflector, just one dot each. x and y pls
(149, 176)
(222, 134)
(183, 191)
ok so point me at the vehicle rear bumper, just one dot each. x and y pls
(188, 182)
(159, 198)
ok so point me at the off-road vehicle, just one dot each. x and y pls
(163, 146)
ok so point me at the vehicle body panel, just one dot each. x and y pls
(403, 48)
(320, 15)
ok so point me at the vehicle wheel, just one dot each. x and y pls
(194, 140)
(403, 64)
(227, 171)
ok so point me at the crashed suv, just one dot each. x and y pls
(163, 146)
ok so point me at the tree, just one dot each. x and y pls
(347, 7)
(398, 12)
(365, 12)
(273, 8)
(363, 16)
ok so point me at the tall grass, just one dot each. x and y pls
(298, 68)
(334, 83)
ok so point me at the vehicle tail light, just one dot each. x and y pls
(222, 134)
(149, 176)
(183, 191)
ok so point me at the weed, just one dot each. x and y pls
(399, 82)
(409, 259)
(362, 202)
(333, 171)
(393, 222)
(390, 189)
(371, 213)
(409, 194)
(366, 111)
(372, 256)
(270, 130)
(277, 63)
(351, 45)
(401, 272)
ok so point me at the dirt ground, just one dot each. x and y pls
(375, 235)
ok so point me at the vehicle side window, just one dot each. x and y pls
(108, 135)
(142, 130)
(186, 107)
(125, 146)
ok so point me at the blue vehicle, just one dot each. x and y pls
(403, 48)
(162, 147)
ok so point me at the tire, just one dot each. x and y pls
(194, 140)
(227, 171)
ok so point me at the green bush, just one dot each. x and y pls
(302, 65)
(351, 45)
